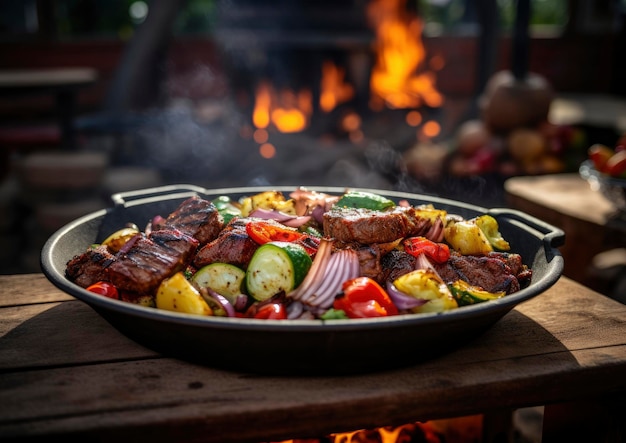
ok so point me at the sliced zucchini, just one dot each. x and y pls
(276, 267)
(178, 294)
(466, 294)
(223, 278)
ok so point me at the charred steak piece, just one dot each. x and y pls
(196, 217)
(366, 226)
(489, 272)
(151, 260)
(395, 264)
(89, 267)
(232, 245)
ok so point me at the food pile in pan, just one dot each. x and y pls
(305, 255)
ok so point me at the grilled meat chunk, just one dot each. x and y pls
(232, 245)
(89, 267)
(490, 272)
(367, 226)
(197, 218)
(150, 260)
(396, 264)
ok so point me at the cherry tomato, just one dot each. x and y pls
(274, 311)
(599, 156)
(616, 165)
(439, 252)
(262, 233)
(363, 298)
(104, 288)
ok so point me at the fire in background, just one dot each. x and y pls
(400, 78)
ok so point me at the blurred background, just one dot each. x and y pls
(441, 97)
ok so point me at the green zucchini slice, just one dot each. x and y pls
(224, 278)
(276, 267)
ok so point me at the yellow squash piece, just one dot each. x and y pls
(427, 285)
(489, 226)
(271, 200)
(178, 294)
(428, 211)
(467, 238)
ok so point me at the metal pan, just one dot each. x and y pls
(298, 346)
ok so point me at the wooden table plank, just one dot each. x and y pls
(64, 369)
(25, 289)
(226, 406)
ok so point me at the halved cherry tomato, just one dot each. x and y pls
(104, 288)
(439, 252)
(273, 311)
(262, 233)
(362, 297)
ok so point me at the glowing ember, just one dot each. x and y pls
(431, 129)
(333, 88)
(409, 433)
(399, 53)
(267, 150)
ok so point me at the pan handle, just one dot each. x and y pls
(122, 198)
(553, 236)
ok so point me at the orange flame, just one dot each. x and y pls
(395, 79)
(288, 111)
(333, 88)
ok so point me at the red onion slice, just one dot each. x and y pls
(402, 300)
(128, 245)
(293, 221)
(222, 301)
(241, 302)
(333, 278)
(347, 267)
(314, 277)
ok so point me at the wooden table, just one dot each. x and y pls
(592, 224)
(63, 83)
(65, 371)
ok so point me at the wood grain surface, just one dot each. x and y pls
(65, 371)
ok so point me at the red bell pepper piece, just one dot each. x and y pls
(262, 232)
(439, 252)
(362, 297)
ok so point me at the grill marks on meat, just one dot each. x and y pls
(151, 260)
(197, 218)
(232, 245)
(168, 248)
(367, 226)
(492, 272)
(90, 267)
